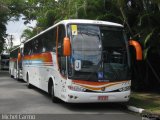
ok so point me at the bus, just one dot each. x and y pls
(15, 64)
(80, 61)
(4, 61)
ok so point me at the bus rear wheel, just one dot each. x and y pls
(54, 98)
(28, 84)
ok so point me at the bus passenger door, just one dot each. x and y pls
(61, 61)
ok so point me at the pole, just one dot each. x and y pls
(11, 39)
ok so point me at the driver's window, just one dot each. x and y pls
(61, 58)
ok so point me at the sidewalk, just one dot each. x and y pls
(150, 102)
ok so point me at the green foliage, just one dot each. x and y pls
(27, 33)
(140, 17)
(9, 9)
(3, 20)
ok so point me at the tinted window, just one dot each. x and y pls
(35, 45)
(49, 40)
(28, 48)
(61, 58)
(43, 43)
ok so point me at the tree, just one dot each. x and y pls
(3, 19)
(139, 17)
(9, 10)
(27, 33)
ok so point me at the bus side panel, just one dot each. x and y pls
(44, 70)
(30, 68)
(40, 68)
(47, 71)
(12, 66)
(25, 66)
(50, 70)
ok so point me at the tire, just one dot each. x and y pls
(53, 97)
(18, 79)
(28, 84)
(15, 76)
(124, 104)
(11, 76)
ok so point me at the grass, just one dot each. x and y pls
(148, 101)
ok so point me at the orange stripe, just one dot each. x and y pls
(45, 57)
(94, 83)
(99, 88)
(13, 59)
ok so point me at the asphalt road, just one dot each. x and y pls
(17, 101)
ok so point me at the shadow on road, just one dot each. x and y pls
(78, 107)
(4, 73)
(95, 106)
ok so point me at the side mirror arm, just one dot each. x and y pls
(138, 49)
(66, 47)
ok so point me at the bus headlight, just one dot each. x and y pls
(124, 89)
(76, 88)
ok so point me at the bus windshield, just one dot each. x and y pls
(99, 53)
(4, 56)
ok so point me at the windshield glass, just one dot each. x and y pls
(115, 55)
(4, 56)
(98, 53)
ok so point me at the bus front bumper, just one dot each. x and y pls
(86, 97)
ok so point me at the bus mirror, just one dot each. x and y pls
(19, 57)
(138, 49)
(66, 47)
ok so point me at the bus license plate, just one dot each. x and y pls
(102, 98)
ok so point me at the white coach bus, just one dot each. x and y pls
(4, 61)
(81, 61)
(15, 63)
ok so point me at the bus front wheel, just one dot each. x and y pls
(54, 98)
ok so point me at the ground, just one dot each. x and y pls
(146, 100)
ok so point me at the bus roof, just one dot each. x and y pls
(78, 21)
(84, 21)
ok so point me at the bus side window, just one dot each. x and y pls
(49, 40)
(54, 32)
(44, 49)
(35, 47)
(40, 45)
(61, 58)
(27, 48)
(30, 47)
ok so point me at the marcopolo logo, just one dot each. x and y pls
(18, 117)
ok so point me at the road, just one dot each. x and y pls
(16, 98)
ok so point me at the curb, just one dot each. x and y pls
(145, 115)
(135, 109)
